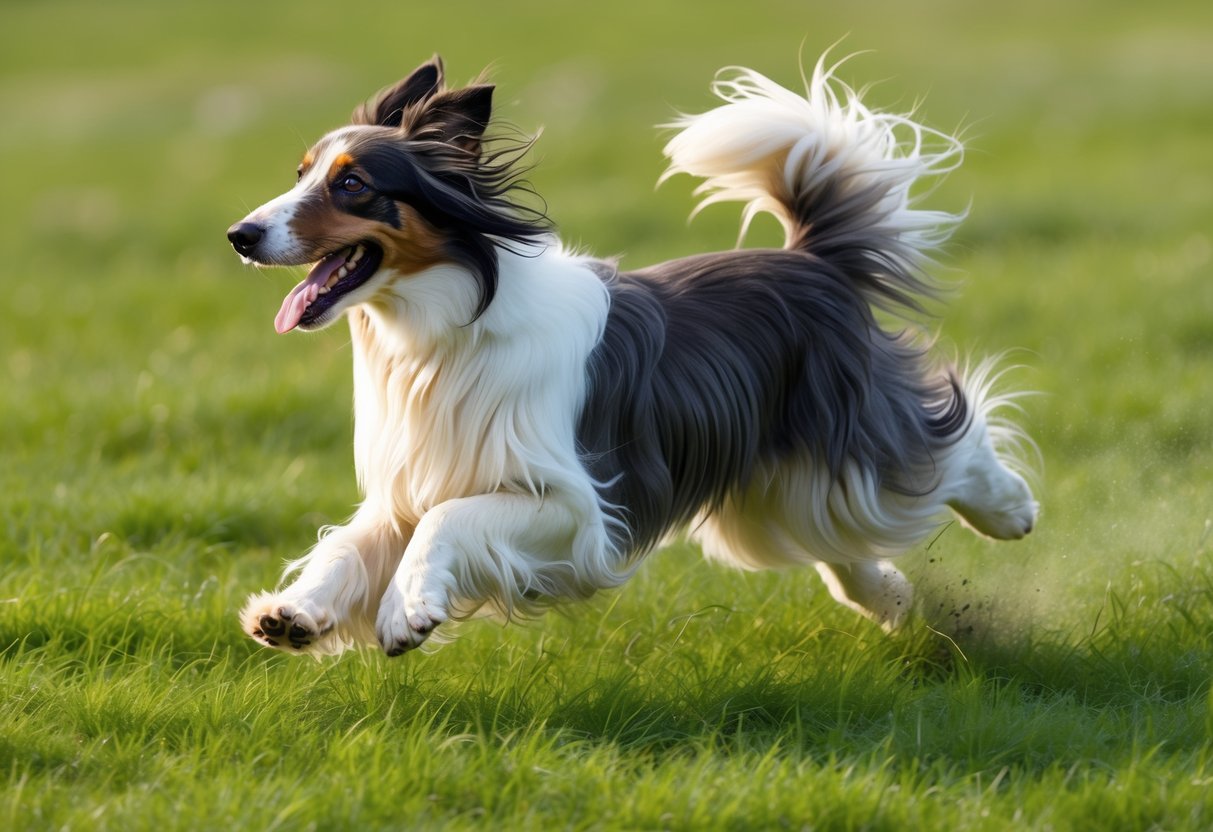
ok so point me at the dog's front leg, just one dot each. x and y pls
(470, 550)
(325, 608)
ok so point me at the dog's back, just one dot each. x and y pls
(715, 367)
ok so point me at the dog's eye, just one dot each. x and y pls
(352, 185)
(298, 173)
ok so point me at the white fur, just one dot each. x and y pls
(766, 143)
(465, 450)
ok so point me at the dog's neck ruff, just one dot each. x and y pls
(446, 409)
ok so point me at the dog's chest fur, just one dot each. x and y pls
(486, 407)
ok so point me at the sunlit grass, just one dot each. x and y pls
(164, 451)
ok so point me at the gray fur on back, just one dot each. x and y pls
(712, 365)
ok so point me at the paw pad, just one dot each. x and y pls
(283, 625)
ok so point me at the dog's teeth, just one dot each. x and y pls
(355, 257)
(324, 290)
(342, 272)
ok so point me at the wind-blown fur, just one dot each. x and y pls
(530, 422)
(443, 163)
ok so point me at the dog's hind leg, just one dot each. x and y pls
(794, 514)
(504, 549)
(990, 498)
(874, 589)
(326, 607)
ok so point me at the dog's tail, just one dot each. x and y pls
(837, 175)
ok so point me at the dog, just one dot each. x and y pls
(531, 421)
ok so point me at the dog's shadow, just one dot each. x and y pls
(969, 700)
(672, 703)
(968, 683)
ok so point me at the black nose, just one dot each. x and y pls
(245, 236)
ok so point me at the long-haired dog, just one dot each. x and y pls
(531, 421)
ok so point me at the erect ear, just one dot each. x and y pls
(387, 108)
(457, 117)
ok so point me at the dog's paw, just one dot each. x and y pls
(1010, 524)
(1008, 514)
(293, 626)
(998, 504)
(405, 622)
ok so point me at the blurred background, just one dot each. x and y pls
(148, 408)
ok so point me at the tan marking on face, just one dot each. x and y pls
(322, 229)
(342, 161)
(415, 246)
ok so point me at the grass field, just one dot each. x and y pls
(164, 451)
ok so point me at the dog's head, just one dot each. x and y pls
(408, 185)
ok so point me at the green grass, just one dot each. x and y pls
(164, 451)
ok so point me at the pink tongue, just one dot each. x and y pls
(298, 299)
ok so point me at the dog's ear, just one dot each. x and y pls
(388, 107)
(457, 117)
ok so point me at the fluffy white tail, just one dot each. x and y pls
(837, 175)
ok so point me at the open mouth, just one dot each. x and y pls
(335, 276)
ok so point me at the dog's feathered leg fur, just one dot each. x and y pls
(473, 546)
(324, 609)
